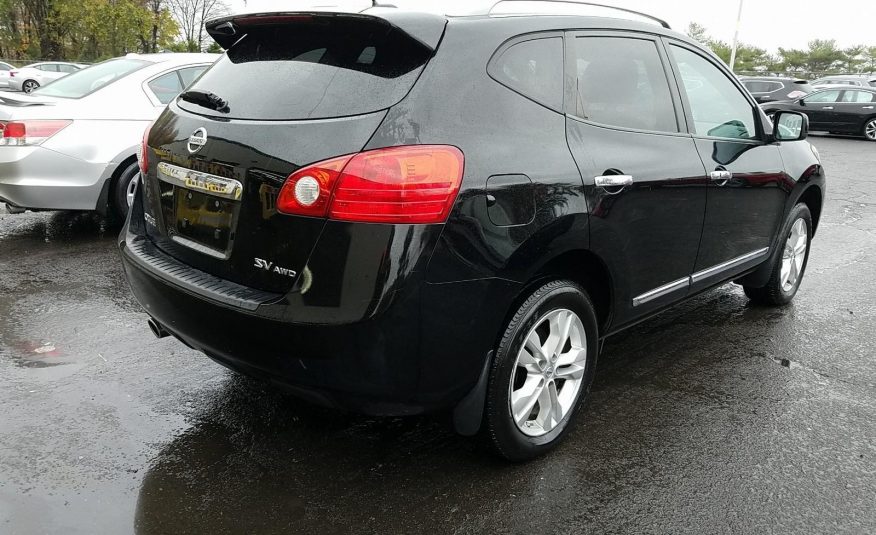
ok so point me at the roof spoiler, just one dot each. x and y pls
(425, 28)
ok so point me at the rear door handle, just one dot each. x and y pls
(868, 107)
(614, 181)
(827, 108)
(722, 176)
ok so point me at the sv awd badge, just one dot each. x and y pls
(269, 266)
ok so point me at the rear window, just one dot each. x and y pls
(89, 80)
(756, 86)
(312, 71)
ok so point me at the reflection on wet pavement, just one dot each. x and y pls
(717, 416)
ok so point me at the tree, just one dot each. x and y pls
(191, 15)
(698, 33)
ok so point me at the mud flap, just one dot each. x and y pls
(469, 413)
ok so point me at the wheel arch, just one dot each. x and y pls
(813, 198)
(109, 184)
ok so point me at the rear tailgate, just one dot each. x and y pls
(292, 90)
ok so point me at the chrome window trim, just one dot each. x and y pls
(724, 266)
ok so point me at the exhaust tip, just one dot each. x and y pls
(157, 329)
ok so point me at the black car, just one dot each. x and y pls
(848, 110)
(770, 89)
(399, 213)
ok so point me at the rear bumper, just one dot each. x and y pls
(39, 178)
(420, 348)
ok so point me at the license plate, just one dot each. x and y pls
(204, 219)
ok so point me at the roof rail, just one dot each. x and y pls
(652, 18)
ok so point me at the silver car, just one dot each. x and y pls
(72, 144)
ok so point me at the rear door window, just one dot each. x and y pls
(857, 96)
(762, 87)
(313, 70)
(823, 96)
(621, 82)
(533, 68)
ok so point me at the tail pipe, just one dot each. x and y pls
(157, 329)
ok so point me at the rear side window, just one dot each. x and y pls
(67, 68)
(312, 70)
(166, 87)
(857, 96)
(534, 69)
(762, 87)
(621, 82)
(189, 74)
(824, 96)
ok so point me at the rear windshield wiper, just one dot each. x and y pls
(206, 99)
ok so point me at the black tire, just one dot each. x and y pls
(29, 85)
(119, 197)
(774, 294)
(499, 429)
(870, 129)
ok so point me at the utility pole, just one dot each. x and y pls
(736, 37)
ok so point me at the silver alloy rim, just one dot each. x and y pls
(794, 254)
(132, 189)
(870, 130)
(548, 372)
(29, 86)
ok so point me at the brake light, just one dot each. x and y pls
(142, 152)
(407, 184)
(12, 74)
(28, 133)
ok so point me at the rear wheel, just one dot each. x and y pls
(29, 85)
(870, 129)
(789, 267)
(542, 371)
(124, 189)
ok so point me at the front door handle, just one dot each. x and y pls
(867, 108)
(827, 108)
(614, 181)
(720, 176)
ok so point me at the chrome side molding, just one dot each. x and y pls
(682, 284)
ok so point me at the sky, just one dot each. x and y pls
(769, 24)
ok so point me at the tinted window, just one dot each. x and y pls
(166, 87)
(621, 82)
(762, 87)
(67, 68)
(48, 67)
(534, 69)
(324, 68)
(718, 107)
(88, 80)
(857, 96)
(823, 96)
(189, 74)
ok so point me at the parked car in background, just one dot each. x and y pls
(5, 68)
(769, 89)
(839, 111)
(850, 80)
(420, 213)
(37, 74)
(72, 144)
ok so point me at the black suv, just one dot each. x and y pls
(770, 89)
(399, 213)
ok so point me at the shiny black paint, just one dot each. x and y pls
(398, 319)
(842, 117)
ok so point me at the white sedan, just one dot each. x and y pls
(72, 145)
(37, 74)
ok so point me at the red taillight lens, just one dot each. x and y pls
(22, 133)
(143, 152)
(408, 184)
(12, 74)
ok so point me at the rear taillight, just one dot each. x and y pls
(408, 184)
(143, 153)
(25, 133)
(12, 74)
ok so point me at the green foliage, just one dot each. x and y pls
(821, 56)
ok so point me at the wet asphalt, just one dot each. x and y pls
(714, 417)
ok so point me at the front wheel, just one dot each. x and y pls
(789, 267)
(542, 371)
(29, 85)
(870, 129)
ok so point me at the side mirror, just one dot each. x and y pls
(790, 126)
(802, 101)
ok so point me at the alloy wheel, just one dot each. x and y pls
(549, 372)
(870, 130)
(131, 190)
(794, 254)
(30, 86)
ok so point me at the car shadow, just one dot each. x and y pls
(259, 460)
(60, 226)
